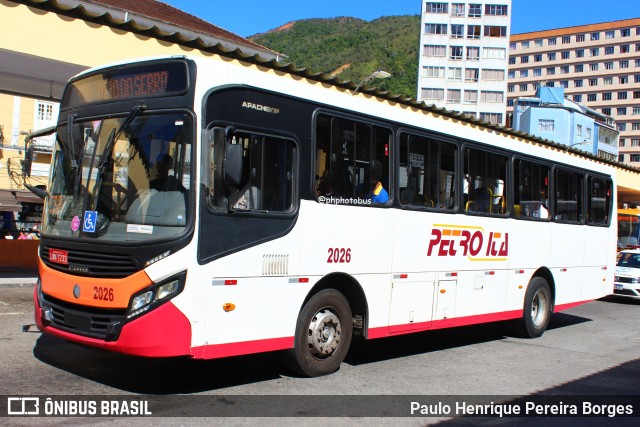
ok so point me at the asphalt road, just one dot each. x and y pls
(593, 349)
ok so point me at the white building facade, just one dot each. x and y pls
(464, 57)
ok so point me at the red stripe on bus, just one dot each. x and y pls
(215, 351)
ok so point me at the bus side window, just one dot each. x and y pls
(486, 175)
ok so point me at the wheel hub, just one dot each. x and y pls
(324, 333)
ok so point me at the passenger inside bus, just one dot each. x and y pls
(164, 181)
(377, 193)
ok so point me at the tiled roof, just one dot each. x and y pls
(171, 15)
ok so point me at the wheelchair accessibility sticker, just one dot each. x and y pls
(89, 223)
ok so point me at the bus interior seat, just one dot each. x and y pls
(158, 208)
(480, 200)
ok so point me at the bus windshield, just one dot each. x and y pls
(120, 179)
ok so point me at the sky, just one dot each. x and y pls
(248, 17)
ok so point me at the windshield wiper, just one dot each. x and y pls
(115, 134)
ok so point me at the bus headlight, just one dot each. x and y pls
(155, 295)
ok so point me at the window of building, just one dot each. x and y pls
(475, 10)
(537, 57)
(593, 82)
(635, 142)
(621, 111)
(512, 60)
(634, 158)
(636, 78)
(524, 73)
(496, 9)
(495, 118)
(538, 43)
(470, 96)
(579, 53)
(435, 94)
(637, 63)
(623, 80)
(607, 96)
(455, 52)
(622, 142)
(608, 50)
(457, 9)
(579, 68)
(607, 81)
(577, 98)
(566, 39)
(457, 31)
(591, 97)
(564, 69)
(608, 65)
(595, 51)
(564, 84)
(636, 110)
(436, 7)
(577, 83)
(474, 31)
(625, 48)
(565, 54)
(621, 158)
(635, 126)
(511, 88)
(537, 72)
(625, 32)
(622, 95)
(546, 125)
(551, 56)
(580, 38)
(621, 127)
(491, 96)
(637, 47)
(492, 75)
(454, 73)
(551, 41)
(435, 28)
(636, 95)
(624, 64)
(593, 66)
(495, 31)
(610, 34)
(453, 96)
(471, 74)
(510, 102)
(551, 71)
(494, 53)
(511, 74)
(579, 130)
(595, 36)
(435, 50)
(433, 72)
(606, 111)
(512, 46)
(473, 53)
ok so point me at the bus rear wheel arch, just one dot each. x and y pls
(323, 334)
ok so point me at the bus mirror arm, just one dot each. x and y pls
(232, 164)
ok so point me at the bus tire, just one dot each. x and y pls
(323, 335)
(537, 309)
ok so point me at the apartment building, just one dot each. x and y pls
(464, 57)
(598, 66)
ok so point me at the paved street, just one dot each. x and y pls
(591, 349)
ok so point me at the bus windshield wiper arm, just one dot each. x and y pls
(115, 134)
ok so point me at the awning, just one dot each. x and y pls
(10, 200)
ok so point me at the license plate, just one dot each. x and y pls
(59, 256)
(617, 287)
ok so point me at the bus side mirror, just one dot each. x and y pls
(232, 164)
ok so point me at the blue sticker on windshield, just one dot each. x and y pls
(89, 223)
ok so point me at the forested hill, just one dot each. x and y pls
(353, 48)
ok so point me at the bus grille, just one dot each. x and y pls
(628, 292)
(94, 264)
(88, 321)
(275, 265)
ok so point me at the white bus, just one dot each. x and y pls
(214, 207)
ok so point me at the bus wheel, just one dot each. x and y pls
(537, 309)
(323, 334)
